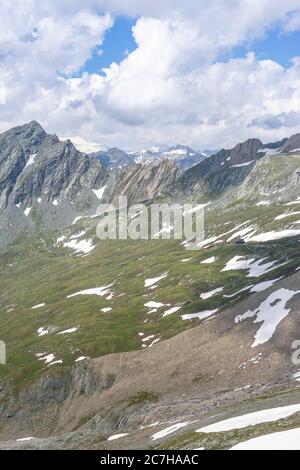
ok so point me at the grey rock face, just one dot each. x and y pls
(113, 158)
(34, 164)
(48, 183)
(184, 156)
(141, 183)
(292, 144)
(222, 170)
(276, 145)
(38, 171)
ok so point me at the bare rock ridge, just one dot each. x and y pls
(100, 367)
(93, 397)
(47, 181)
(113, 158)
(228, 168)
(224, 169)
(43, 179)
(291, 144)
(141, 183)
(35, 164)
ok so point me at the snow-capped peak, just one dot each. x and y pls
(85, 146)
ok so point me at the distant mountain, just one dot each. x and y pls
(145, 182)
(291, 145)
(184, 156)
(286, 145)
(209, 152)
(102, 335)
(229, 167)
(44, 180)
(85, 146)
(222, 170)
(114, 158)
(145, 157)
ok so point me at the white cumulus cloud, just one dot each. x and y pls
(180, 84)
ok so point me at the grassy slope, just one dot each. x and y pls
(34, 270)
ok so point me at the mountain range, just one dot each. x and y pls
(115, 158)
(145, 344)
(48, 182)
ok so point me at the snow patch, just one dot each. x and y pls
(263, 285)
(31, 160)
(166, 229)
(270, 313)
(25, 439)
(42, 331)
(207, 295)
(269, 236)
(263, 203)
(199, 315)
(282, 440)
(170, 311)
(80, 246)
(117, 436)
(154, 280)
(27, 211)
(288, 214)
(242, 233)
(170, 430)
(80, 358)
(256, 268)
(70, 330)
(99, 192)
(242, 164)
(47, 358)
(210, 260)
(251, 419)
(93, 291)
(152, 304)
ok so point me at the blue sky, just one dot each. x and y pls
(276, 45)
(179, 86)
(118, 42)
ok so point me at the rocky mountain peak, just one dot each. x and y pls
(143, 182)
(245, 151)
(43, 176)
(292, 144)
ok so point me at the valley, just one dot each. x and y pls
(145, 343)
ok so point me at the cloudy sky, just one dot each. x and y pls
(138, 73)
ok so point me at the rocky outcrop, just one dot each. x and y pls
(41, 175)
(97, 395)
(141, 183)
(113, 158)
(184, 156)
(225, 169)
(292, 144)
(35, 164)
